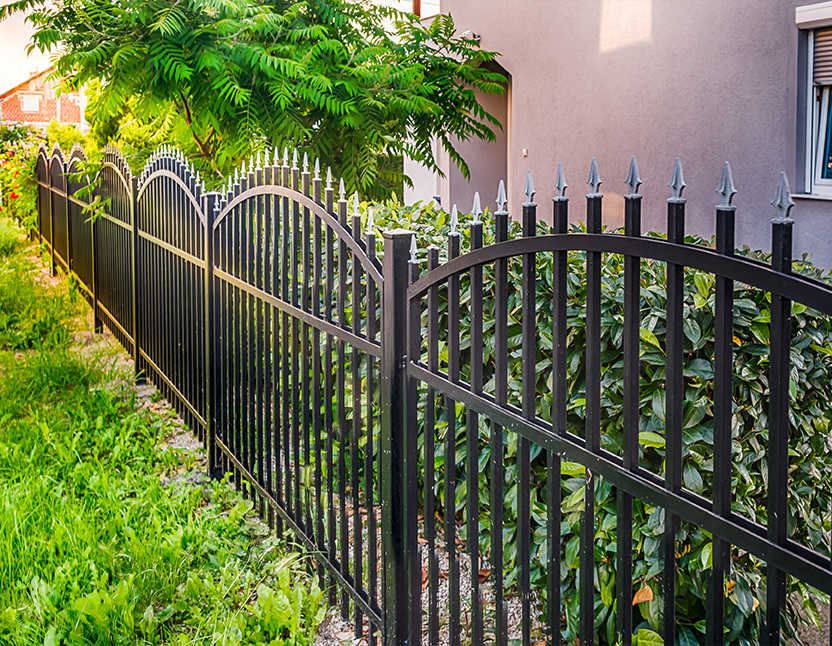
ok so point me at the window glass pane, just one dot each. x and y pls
(826, 160)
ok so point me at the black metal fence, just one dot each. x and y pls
(330, 381)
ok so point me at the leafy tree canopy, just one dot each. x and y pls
(352, 82)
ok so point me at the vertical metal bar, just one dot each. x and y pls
(473, 436)
(369, 462)
(501, 395)
(53, 266)
(343, 433)
(593, 414)
(259, 305)
(723, 410)
(529, 386)
(237, 317)
(430, 454)
(328, 389)
(317, 400)
(777, 507)
(285, 350)
(297, 236)
(450, 445)
(210, 206)
(675, 388)
(411, 457)
(355, 462)
(560, 223)
(306, 366)
(394, 318)
(632, 325)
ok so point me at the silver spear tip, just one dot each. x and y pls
(305, 162)
(726, 188)
(782, 201)
(677, 181)
(259, 162)
(633, 180)
(476, 210)
(370, 221)
(454, 220)
(342, 194)
(413, 249)
(317, 168)
(560, 182)
(329, 178)
(286, 155)
(501, 198)
(355, 203)
(295, 159)
(528, 189)
(594, 180)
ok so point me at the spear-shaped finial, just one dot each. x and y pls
(594, 180)
(275, 157)
(317, 174)
(370, 222)
(236, 175)
(633, 180)
(259, 163)
(250, 164)
(454, 221)
(560, 182)
(355, 210)
(286, 155)
(295, 159)
(782, 201)
(476, 210)
(501, 198)
(677, 181)
(342, 194)
(267, 160)
(305, 162)
(528, 189)
(329, 178)
(726, 188)
(413, 249)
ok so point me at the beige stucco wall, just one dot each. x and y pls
(708, 81)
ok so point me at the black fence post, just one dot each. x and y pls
(134, 276)
(392, 459)
(210, 205)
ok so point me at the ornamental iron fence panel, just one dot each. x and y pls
(334, 376)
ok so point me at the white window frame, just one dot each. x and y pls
(29, 100)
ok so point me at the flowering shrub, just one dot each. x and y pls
(18, 183)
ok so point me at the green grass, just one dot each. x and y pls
(104, 538)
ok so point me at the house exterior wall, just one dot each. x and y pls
(68, 108)
(707, 81)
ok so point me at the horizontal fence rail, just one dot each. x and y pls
(428, 423)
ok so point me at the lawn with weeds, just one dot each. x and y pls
(106, 535)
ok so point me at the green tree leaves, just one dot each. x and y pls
(356, 84)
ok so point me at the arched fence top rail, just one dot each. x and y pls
(190, 189)
(344, 232)
(752, 272)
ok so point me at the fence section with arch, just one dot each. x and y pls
(456, 442)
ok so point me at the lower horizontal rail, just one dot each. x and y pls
(345, 583)
(199, 418)
(115, 322)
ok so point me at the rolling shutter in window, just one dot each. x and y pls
(823, 57)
